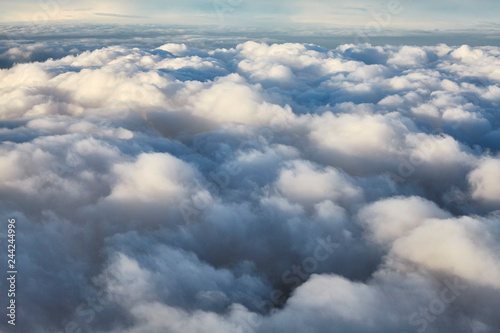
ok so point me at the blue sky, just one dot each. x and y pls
(410, 14)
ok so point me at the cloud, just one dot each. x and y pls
(482, 181)
(324, 185)
(391, 218)
(120, 15)
(254, 188)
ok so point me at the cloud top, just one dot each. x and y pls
(260, 188)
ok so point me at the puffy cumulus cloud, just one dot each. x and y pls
(327, 302)
(486, 62)
(173, 276)
(484, 182)
(322, 185)
(229, 99)
(453, 246)
(352, 139)
(419, 232)
(259, 188)
(31, 41)
(159, 176)
(389, 219)
(408, 56)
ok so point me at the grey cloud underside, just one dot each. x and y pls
(261, 188)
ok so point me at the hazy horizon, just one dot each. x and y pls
(403, 14)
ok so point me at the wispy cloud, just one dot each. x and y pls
(80, 9)
(359, 9)
(121, 15)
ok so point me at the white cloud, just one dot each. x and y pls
(484, 182)
(392, 218)
(303, 183)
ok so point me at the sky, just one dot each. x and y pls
(389, 14)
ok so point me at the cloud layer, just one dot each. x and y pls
(260, 188)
